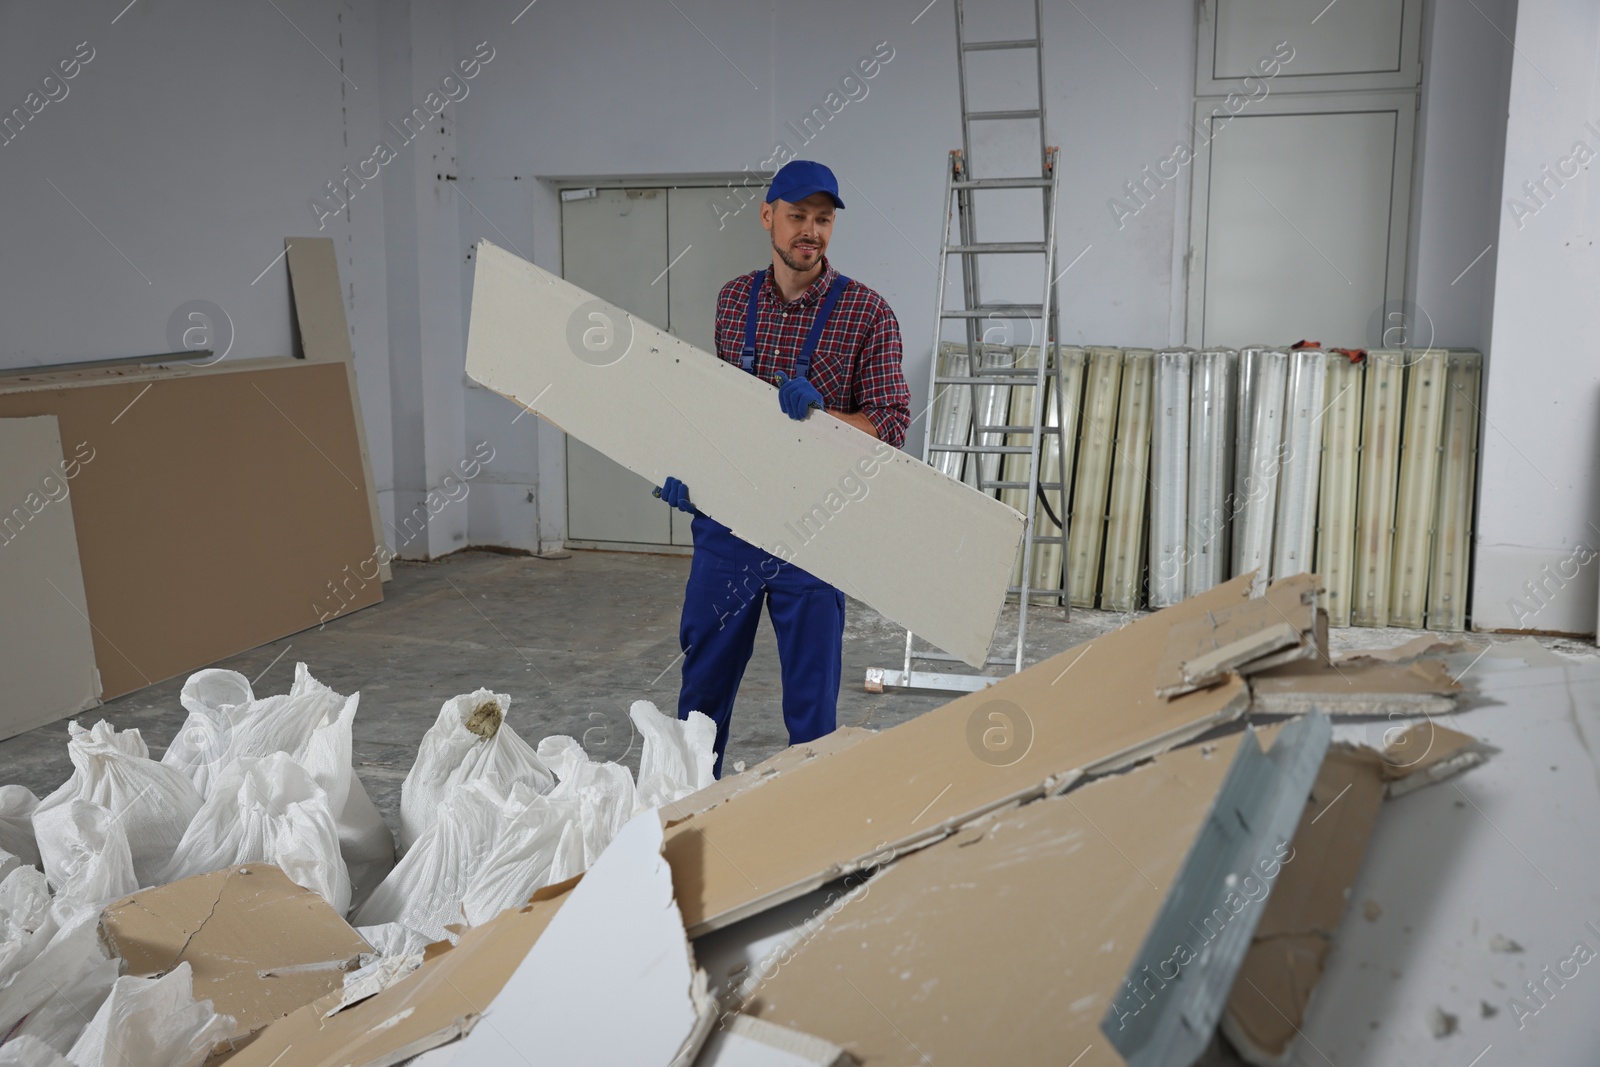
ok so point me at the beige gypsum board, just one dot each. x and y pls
(1123, 578)
(1031, 978)
(1093, 482)
(439, 1002)
(1371, 688)
(256, 452)
(1419, 483)
(801, 490)
(47, 655)
(729, 785)
(1336, 499)
(1382, 394)
(1458, 473)
(1284, 964)
(1218, 641)
(1084, 711)
(325, 338)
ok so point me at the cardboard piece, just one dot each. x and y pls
(1002, 944)
(818, 493)
(46, 645)
(746, 1041)
(325, 338)
(216, 510)
(442, 1000)
(1086, 711)
(615, 950)
(1423, 687)
(259, 945)
(1202, 651)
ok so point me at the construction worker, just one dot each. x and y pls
(828, 343)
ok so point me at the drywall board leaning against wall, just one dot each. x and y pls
(46, 648)
(928, 552)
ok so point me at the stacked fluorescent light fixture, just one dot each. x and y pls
(1189, 467)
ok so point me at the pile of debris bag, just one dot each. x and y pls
(253, 786)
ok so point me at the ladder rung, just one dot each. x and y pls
(988, 450)
(999, 46)
(983, 311)
(1021, 113)
(1016, 429)
(1003, 183)
(1000, 247)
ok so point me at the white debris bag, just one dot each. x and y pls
(313, 725)
(394, 939)
(267, 810)
(25, 1051)
(425, 889)
(61, 1019)
(26, 924)
(71, 948)
(678, 755)
(112, 768)
(17, 804)
(470, 740)
(152, 1022)
(604, 791)
(540, 842)
(201, 748)
(90, 860)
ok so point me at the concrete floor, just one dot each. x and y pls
(573, 641)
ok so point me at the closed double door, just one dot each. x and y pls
(661, 254)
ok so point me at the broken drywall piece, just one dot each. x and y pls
(259, 945)
(1089, 710)
(1276, 625)
(1232, 863)
(1426, 752)
(644, 399)
(1422, 687)
(1407, 652)
(434, 1005)
(747, 1041)
(616, 947)
(1281, 971)
(731, 784)
(880, 975)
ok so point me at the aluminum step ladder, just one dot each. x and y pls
(988, 440)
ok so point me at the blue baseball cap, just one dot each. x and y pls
(801, 178)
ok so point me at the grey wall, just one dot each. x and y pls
(199, 134)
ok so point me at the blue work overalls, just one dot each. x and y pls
(730, 578)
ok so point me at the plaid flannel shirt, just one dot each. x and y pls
(856, 366)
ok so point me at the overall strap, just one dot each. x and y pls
(747, 355)
(802, 364)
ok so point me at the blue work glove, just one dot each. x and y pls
(676, 495)
(797, 397)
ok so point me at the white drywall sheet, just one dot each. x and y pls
(930, 553)
(616, 950)
(46, 648)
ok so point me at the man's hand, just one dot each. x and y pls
(797, 397)
(676, 495)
